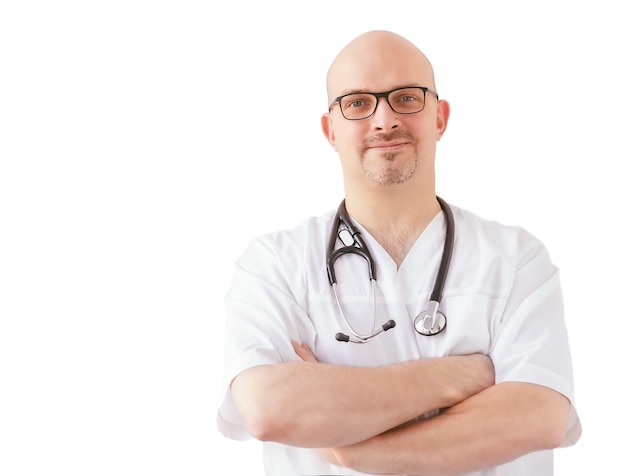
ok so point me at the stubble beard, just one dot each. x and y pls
(391, 172)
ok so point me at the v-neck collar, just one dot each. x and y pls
(429, 241)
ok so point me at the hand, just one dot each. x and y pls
(304, 352)
(481, 371)
(331, 455)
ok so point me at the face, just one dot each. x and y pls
(387, 148)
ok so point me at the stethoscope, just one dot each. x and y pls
(427, 323)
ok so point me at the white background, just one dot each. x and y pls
(143, 143)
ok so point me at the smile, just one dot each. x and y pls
(388, 146)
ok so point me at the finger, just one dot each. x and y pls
(304, 352)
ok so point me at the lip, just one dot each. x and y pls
(388, 146)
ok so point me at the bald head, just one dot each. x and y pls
(377, 61)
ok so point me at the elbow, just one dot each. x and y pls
(261, 423)
(555, 433)
(551, 437)
(540, 416)
(552, 428)
(260, 429)
(257, 408)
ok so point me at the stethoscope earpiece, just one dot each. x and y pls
(362, 339)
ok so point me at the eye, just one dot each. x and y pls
(408, 100)
(357, 101)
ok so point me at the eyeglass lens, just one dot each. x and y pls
(402, 101)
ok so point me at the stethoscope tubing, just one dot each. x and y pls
(362, 250)
(429, 322)
(446, 256)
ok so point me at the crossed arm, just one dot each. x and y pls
(365, 418)
(495, 426)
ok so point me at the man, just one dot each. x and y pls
(491, 394)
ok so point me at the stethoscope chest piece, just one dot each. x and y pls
(427, 325)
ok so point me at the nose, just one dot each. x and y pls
(384, 117)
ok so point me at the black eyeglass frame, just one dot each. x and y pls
(378, 96)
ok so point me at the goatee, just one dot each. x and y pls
(390, 173)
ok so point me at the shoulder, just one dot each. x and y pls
(498, 236)
(290, 243)
(498, 249)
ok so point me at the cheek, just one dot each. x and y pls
(347, 139)
(348, 152)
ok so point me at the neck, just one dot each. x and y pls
(394, 218)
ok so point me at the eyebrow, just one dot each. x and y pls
(356, 91)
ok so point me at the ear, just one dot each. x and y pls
(443, 114)
(327, 129)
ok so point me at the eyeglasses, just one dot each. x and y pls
(356, 106)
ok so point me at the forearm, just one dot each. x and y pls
(312, 404)
(495, 426)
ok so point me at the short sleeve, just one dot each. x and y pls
(263, 316)
(532, 341)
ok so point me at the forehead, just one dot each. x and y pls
(378, 63)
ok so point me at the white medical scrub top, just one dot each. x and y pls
(502, 298)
